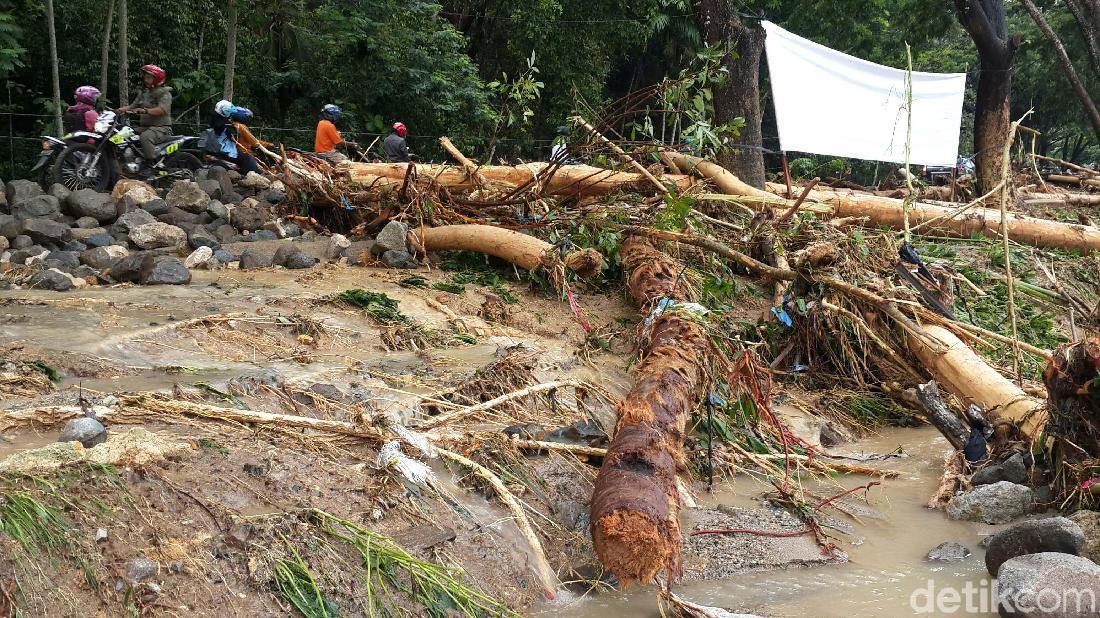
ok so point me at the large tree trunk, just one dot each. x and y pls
(739, 96)
(123, 53)
(1087, 14)
(1067, 66)
(56, 79)
(635, 503)
(105, 52)
(230, 51)
(985, 21)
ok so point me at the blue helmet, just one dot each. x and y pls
(332, 112)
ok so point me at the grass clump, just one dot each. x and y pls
(377, 304)
(33, 523)
(296, 584)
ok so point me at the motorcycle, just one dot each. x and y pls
(43, 169)
(97, 159)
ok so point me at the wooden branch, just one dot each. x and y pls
(470, 167)
(941, 416)
(581, 122)
(454, 415)
(1068, 165)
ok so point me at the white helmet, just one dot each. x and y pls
(223, 108)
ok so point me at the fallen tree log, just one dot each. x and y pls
(963, 373)
(1074, 180)
(1068, 165)
(524, 251)
(636, 504)
(1059, 199)
(567, 180)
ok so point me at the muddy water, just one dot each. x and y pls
(887, 571)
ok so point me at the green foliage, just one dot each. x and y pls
(33, 523)
(453, 288)
(296, 584)
(11, 51)
(378, 305)
(673, 217)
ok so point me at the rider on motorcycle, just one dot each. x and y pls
(153, 105)
(224, 124)
(328, 138)
(82, 115)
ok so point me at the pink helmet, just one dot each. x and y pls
(87, 94)
(399, 128)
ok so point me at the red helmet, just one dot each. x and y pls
(399, 128)
(158, 74)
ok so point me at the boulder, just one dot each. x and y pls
(251, 260)
(47, 231)
(998, 503)
(87, 431)
(187, 196)
(87, 223)
(21, 241)
(336, 246)
(226, 233)
(53, 280)
(400, 259)
(90, 203)
(217, 210)
(100, 239)
(129, 268)
(1089, 522)
(201, 237)
(246, 219)
(38, 207)
(74, 245)
(10, 227)
(273, 196)
(102, 258)
(300, 260)
(252, 180)
(60, 191)
(156, 207)
(224, 257)
(211, 188)
(283, 253)
(133, 219)
(292, 230)
(263, 235)
(1056, 534)
(178, 217)
(29, 255)
(948, 552)
(20, 190)
(393, 237)
(1049, 585)
(199, 258)
(136, 190)
(276, 227)
(220, 175)
(64, 261)
(1012, 470)
(164, 270)
(158, 235)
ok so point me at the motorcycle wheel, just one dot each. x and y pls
(67, 169)
(183, 161)
(46, 176)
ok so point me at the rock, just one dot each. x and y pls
(211, 188)
(1012, 470)
(423, 536)
(60, 191)
(20, 190)
(30, 254)
(141, 569)
(187, 196)
(100, 535)
(74, 245)
(393, 237)
(200, 237)
(292, 230)
(100, 240)
(300, 261)
(948, 552)
(273, 196)
(158, 235)
(22, 241)
(1056, 534)
(3, 244)
(399, 259)
(232, 198)
(246, 219)
(328, 391)
(263, 235)
(1049, 585)
(87, 223)
(224, 257)
(164, 271)
(10, 227)
(199, 257)
(251, 260)
(139, 192)
(276, 227)
(133, 219)
(998, 503)
(128, 268)
(226, 233)
(91, 203)
(156, 207)
(217, 210)
(87, 431)
(63, 260)
(249, 202)
(336, 246)
(283, 253)
(255, 181)
(102, 258)
(225, 184)
(53, 280)
(47, 231)
(573, 514)
(1089, 522)
(178, 217)
(38, 207)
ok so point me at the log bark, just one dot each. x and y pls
(636, 503)
(467, 164)
(568, 180)
(962, 372)
(1074, 180)
(524, 251)
(1056, 199)
(941, 416)
(105, 51)
(1071, 166)
(726, 181)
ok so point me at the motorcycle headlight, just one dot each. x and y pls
(102, 126)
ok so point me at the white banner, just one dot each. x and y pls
(831, 103)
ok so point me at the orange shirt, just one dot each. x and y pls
(327, 137)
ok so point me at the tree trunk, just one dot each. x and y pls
(1087, 14)
(985, 21)
(739, 95)
(123, 53)
(636, 503)
(517, 248)
(56, 79)
(105, 53)
(1067, 66)
(230, 52)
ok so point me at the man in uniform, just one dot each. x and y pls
(153, 106)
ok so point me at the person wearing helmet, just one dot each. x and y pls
(224, 123)
(82, 115)
(559, 147)
(328, 139)
(397, 150)
(153, 106)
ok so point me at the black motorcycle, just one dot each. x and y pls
(43, 169)
(97, 159)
